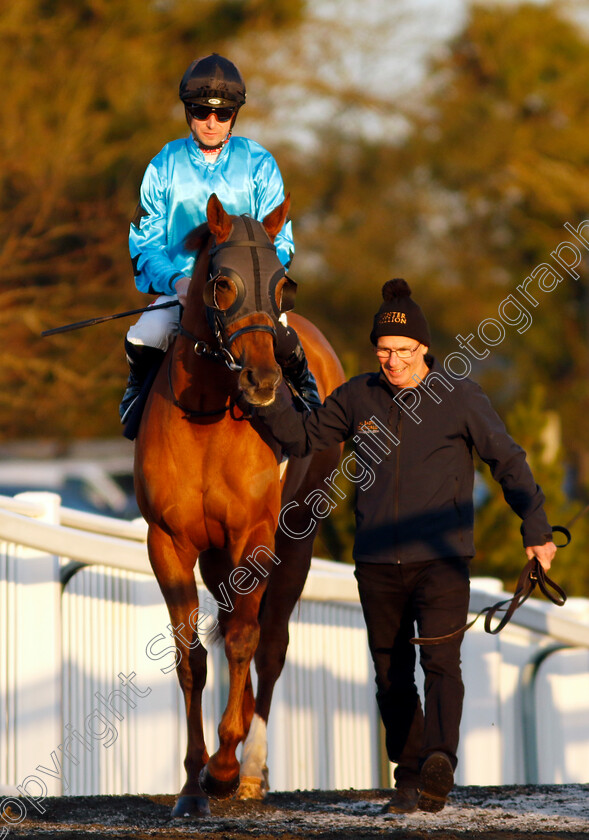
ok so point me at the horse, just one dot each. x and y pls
(208, 485)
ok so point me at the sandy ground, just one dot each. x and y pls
(540, 811)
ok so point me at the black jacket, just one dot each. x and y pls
(414, 466)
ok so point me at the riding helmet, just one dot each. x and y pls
(213, 80)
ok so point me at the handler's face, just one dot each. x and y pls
(400, 372)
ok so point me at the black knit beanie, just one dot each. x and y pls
(399, 314)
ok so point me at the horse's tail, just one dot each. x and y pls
(214, 636)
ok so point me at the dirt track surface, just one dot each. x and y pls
(504, 813)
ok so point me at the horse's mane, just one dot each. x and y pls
(197, 237)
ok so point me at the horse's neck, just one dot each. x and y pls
(194, 318)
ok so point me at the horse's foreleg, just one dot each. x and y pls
(221, 777)
(240, 629)
(284, 590)
(174, 571)
(251, 784)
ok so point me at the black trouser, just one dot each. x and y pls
(435, 596)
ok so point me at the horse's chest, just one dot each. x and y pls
(232, 481)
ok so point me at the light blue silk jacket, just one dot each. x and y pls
(173, 200)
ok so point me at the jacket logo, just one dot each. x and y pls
(392, 317)
(367, 426)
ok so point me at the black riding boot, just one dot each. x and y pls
(296, 370)
(141, 361)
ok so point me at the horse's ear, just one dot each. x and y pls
(219, 221)
(274, 220)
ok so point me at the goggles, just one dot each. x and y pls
(203, 112)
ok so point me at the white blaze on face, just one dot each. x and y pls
(255, 750)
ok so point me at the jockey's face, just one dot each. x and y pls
(209, 132)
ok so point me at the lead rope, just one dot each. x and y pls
(532, 575)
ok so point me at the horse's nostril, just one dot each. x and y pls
(255, 379)
(247, 378)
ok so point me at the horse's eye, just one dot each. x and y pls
(223, 284)
(225, 293)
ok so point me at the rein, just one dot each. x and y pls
(532, 575)
(221, 355)
(192, 412)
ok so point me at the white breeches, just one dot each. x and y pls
(156, 328)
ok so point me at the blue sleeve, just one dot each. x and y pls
(153, 269)
(269, 194)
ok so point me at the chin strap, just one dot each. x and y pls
(216, 148)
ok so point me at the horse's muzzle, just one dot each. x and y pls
(258, 385)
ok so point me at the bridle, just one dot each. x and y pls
(219, 320)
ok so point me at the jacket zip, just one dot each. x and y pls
(397, 432)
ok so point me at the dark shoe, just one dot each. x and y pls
(141, 361)
(296, 370)
(403, 801)
(436, 780)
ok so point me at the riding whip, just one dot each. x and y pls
(101, 319)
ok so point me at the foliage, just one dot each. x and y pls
(466, 207)
(499, 544)
(503, 148)
(89, 98)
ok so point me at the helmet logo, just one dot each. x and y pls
(214, 101)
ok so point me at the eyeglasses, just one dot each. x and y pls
(384, 353)
(203, 112)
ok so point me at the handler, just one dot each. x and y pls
(415, 428)
(173, 199)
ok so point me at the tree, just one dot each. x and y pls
(467, 205)
(89, 97)
(503, 161)
(499, 545)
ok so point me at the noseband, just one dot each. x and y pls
(223, 353)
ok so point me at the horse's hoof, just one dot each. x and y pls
(217, 787)
(251, 787)
(191, 806)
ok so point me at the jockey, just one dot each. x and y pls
(173, 199)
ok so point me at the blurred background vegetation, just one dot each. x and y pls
(451, 160)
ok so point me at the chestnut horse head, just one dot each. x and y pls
(245, 292)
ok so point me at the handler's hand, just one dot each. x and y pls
(181, 285)
(545, 553)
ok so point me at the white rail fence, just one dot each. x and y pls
(89, 701)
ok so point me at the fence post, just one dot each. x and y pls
(30, 662)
